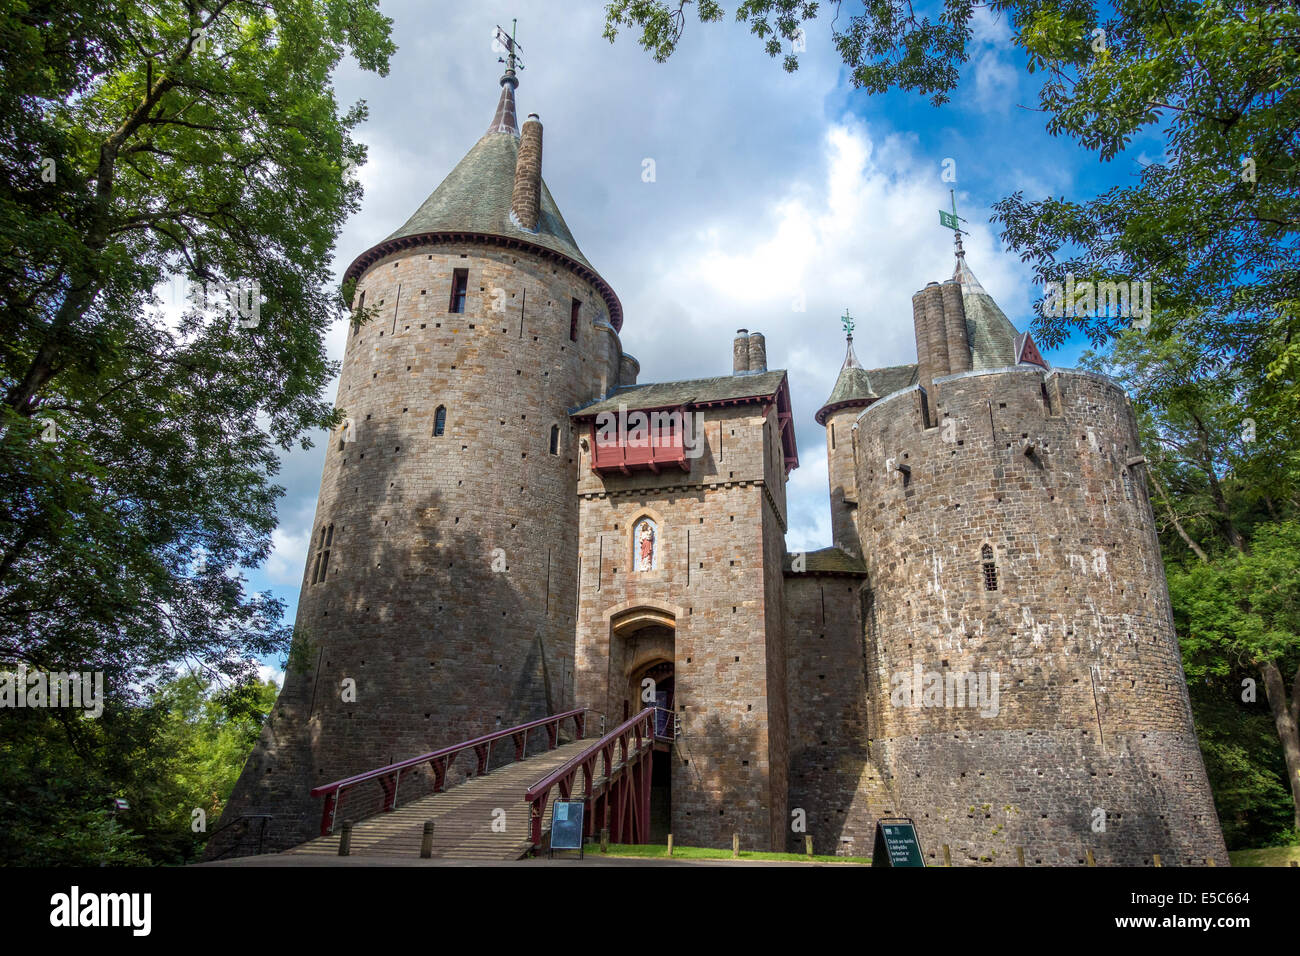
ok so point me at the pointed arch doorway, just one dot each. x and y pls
(643, 650)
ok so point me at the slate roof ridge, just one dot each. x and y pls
(688, 391)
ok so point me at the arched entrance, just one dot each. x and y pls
(642, 649)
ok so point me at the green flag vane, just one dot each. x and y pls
(951, 220)
(848, 323)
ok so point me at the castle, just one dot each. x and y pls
(986, 648)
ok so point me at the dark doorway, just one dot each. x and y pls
(661, 695)
(661, 796)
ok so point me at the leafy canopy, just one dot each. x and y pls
(140, 141)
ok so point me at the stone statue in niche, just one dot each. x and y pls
(646, 541)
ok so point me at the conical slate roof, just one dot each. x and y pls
(474, 201)
(992, 336)
(852, 387)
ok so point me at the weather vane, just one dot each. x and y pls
(951, 220)
(510, 46)
(848, 323)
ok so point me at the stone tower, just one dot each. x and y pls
(440, 579)
(851, 394)
(1024, 680)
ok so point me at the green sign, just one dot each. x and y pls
(897, 844)
(948, 219)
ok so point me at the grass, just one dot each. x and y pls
(708, 853)
(1269, 856)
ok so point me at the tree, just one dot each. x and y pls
(1245, 610)
(1224, 478)
(138, 141)
(1213, 226)
(177, 752)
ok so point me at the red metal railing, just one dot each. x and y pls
(391, 776)
(618, 798)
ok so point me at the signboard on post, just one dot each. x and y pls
(896, 843)
(566, 826)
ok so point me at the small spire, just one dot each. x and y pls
(850, 357)
(505, 120)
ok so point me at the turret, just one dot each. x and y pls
(851, 394)
(439, 581)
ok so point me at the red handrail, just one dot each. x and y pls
(627, 780)
(391, 775)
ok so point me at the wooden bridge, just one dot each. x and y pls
(500, 813)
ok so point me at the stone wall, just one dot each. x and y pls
(833, 780)
(840, 472)
(449, 593)
(1090, 743)
(721, 529)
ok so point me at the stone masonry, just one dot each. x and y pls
(986, 647)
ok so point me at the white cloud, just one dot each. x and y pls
(289, 544)
(759, 194)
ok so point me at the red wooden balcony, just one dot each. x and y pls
(642, 441)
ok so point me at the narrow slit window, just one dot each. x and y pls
(990, 568)
(439, 421)
(360, 306)
(555, 439)
(459, 283)
(574, 310)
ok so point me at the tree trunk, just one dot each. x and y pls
(1178, 525)
(1286, 714)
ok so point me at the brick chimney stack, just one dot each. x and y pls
(740, 352)
(526, 198)
(757, 352)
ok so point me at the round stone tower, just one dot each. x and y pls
(438, 600)
(1025, 683)
(852, 393)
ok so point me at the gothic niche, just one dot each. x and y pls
(645, 545)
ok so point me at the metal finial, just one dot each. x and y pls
(847, 321)
(512, 59)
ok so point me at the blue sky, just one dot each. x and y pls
(769, 187)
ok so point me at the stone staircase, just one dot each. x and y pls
(462, 817)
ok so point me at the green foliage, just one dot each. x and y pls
(180, 751)
(1243, 761)
(1222, 452)
(140, 142)
(1242, 609)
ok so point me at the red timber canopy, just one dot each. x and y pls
(643, 427)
